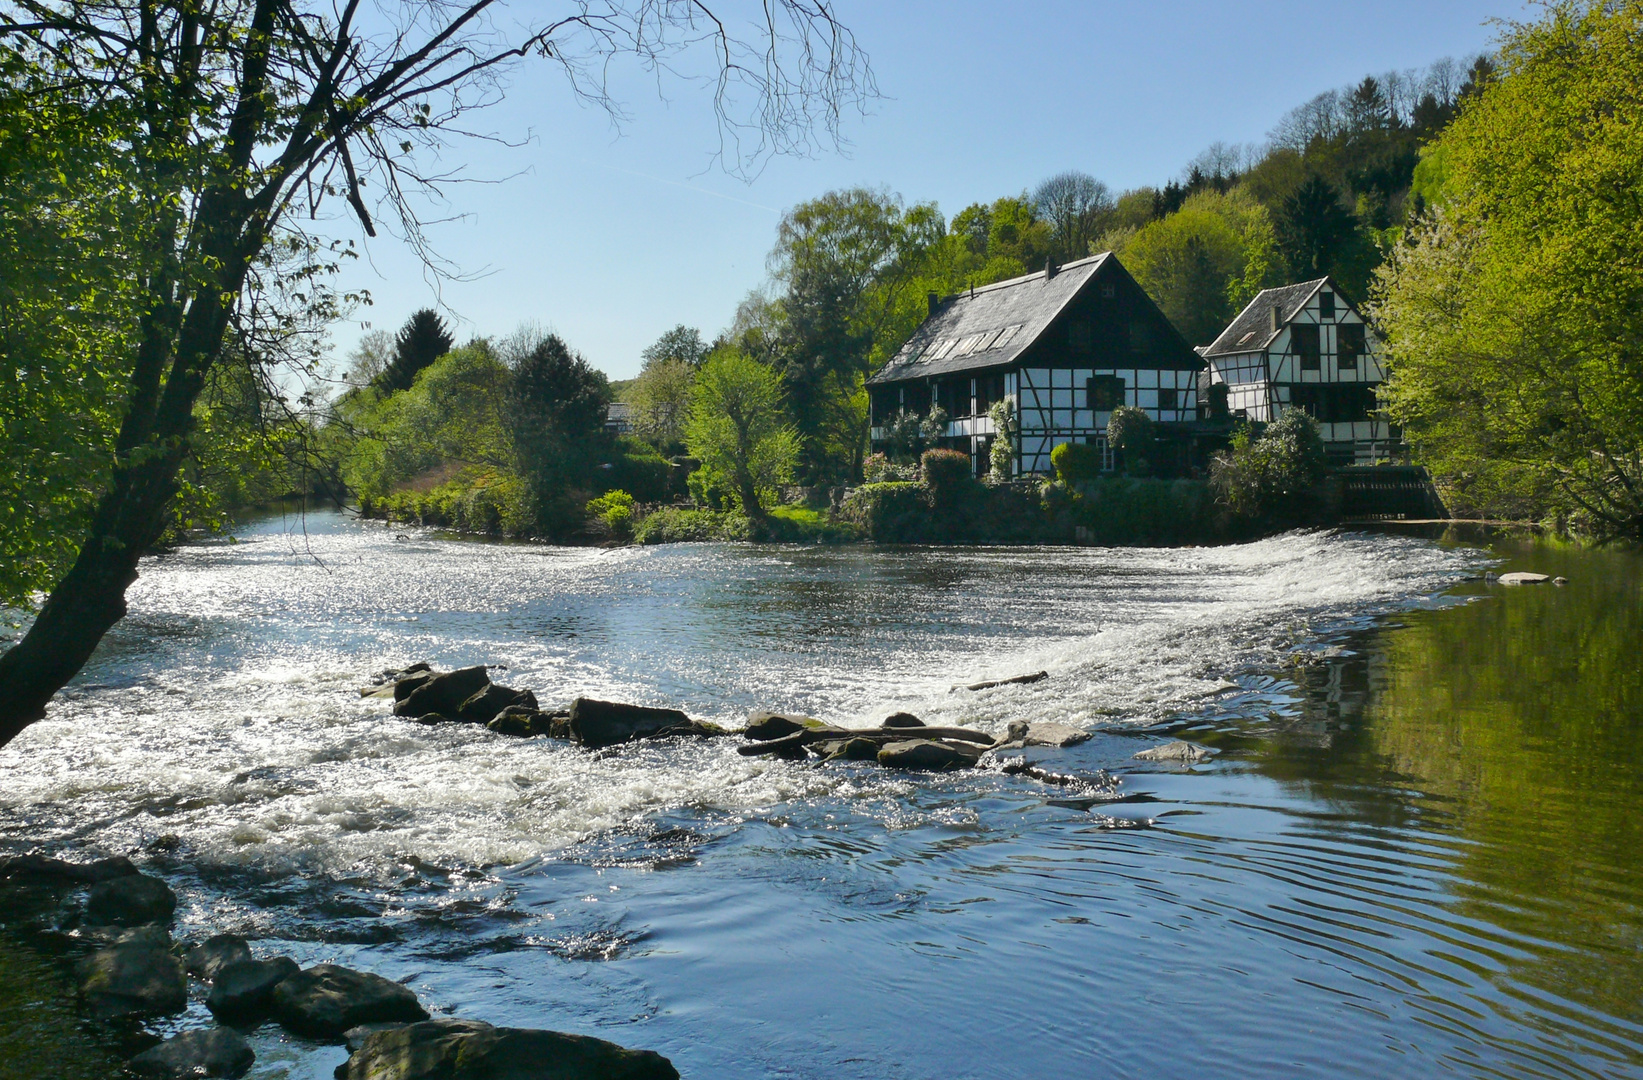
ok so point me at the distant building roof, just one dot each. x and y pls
(1252, 330)
(991, 325)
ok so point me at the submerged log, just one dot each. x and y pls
(1018, 679)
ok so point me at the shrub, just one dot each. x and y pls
(710, 489)
(1271, 480)
(1005, 427)
(641, 471)
(1076, 462)
(1131, 433)
(944, 468)
(675, 525)
(613, 511)
(889, 512)
(1132, 510)
(878, 469)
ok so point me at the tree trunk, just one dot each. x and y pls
(91, 597)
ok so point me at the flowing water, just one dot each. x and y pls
(1416, 853)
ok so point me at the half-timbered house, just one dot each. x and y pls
(1304, 346)
(1068, 343)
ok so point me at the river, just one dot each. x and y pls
(1416, 852)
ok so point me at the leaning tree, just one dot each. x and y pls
(237, 123)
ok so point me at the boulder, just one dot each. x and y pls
(213, 1052)
(430, 719)
(243, 992)
(1183, 753)
(527, 722)
(113, 937)
(473, 1050)
(210, 956)
(605, 723)
(324, 1001)
(44, 869)
(482, 707)
(130, 900)
(404, 688)
(133, 981)
(851, 750)
(765, 726)
(902, 720)
(927, 754)
(443, 693)
(1522, 578)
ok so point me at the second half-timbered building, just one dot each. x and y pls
(1304, 346)
(1068, 343)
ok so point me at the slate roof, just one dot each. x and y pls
(1252, 330)
(990, 326)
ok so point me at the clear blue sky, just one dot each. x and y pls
(611, 237)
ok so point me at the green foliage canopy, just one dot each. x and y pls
(738, 427)
(1515, 320)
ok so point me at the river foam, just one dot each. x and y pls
(221, 717)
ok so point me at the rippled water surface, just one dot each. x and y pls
(1416, 852)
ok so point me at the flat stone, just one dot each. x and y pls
(443, 693)
(130, 900)
(1523, 578)
(133, 981)
(1184, 753)
(243, 992)
(210, 956)
(326, 1000)
(765, 726)
(927, 754)
(1052, 734)
(473, 1050)
(212, 1052)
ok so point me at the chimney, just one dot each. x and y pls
(934, 300)
(1277, 317)
(1050, 269)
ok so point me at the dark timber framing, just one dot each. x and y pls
(1068, 343)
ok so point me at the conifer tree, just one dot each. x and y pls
(422, 340)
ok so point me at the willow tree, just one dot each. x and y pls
(238, 123)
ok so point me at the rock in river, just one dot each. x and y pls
(473, 1050)
(927, 754)
(214, 1052)
(605, 723)
(210, 956)
(765, 726)
(1523, 578)
(243, 993)
(130, 900)
(133, 981)
(444, 693)
(483, 707)
(326, 1000)
(526, 722)
(1183, 752)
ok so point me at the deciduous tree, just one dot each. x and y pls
(240, 119)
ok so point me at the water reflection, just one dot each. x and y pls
(1502, 739)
